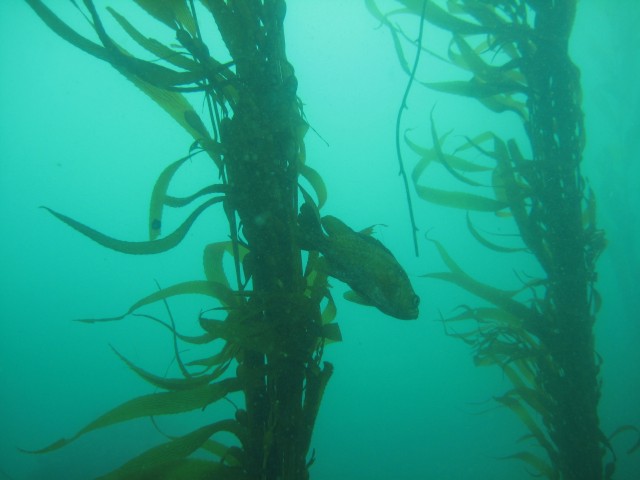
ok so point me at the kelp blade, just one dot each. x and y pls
(168, 461)
(137, 248)
(194, 287)
(164, 403)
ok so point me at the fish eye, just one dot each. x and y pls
(416, 300)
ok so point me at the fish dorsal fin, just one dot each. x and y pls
(336, 227)
(369, 230)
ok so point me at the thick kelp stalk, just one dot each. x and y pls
(262, 143)
(567, 253)
(274, 328)
(541, 332)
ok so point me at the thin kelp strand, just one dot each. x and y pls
(176, 350)
(403, 106)
(493, 246)
(194, 287)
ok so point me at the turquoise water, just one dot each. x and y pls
(405, 400)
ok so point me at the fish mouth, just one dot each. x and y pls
(412, 316)
(406, 315)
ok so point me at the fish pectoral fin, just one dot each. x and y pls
(355, 297)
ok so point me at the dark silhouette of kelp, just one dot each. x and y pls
(540, 334)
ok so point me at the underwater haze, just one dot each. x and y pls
(405, 400)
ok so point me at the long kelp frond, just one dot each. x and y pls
(137, 248)
(165, 403)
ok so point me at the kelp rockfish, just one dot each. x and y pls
(361, 261)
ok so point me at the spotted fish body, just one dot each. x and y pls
(362, 262)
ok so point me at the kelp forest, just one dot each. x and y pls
(275, 252)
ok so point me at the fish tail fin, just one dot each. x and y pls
(310, 234)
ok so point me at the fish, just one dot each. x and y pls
(360, 261)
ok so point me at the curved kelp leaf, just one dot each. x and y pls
(169, 460)
(172, 383)
(159, 194)
(154, 80)
(442, 19)
(469, 59)
(487, 315)
(490, 245)
(476, 143)
(429, 155)
(148, 72)
(195, 287)
(393, 30)
(152, 73)
(227, 353)
(67, 33)
(172, 13)
(476, 89)
(533, 398)
(137, 248)
(438, 16)
(248, 334)
(462, 200)
(500, 298)
(317, 380)
(191, 468)
(443, 160)
(232, 456)
(179, 202)
(515, 192)
(541, 467)
(159, 197)
(525, 417)
(178, 107)
(153, 46)
(316, 182)
(494, 295)
(165, 403)
(213, 264)
(506, 103)
(484, 12)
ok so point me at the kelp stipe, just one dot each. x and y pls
(275, 317)
(541, 333)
